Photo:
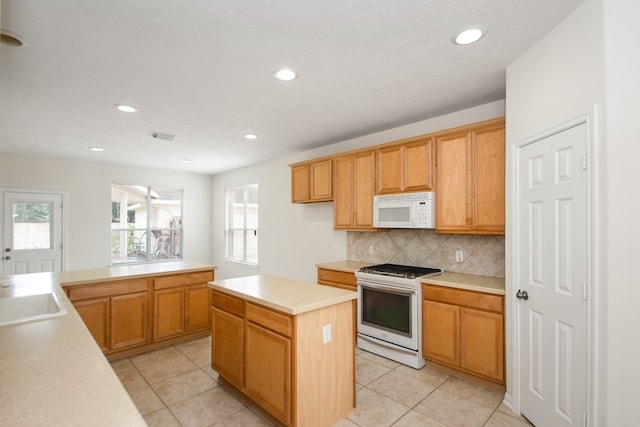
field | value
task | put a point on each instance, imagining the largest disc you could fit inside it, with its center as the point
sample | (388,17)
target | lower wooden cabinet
(268,370)
(116,313)
(181,304)
(464,330)
(338,279)
(256,350)
(131,316)
(227,349)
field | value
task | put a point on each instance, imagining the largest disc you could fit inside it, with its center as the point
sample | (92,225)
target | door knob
(7,257)
(522,295)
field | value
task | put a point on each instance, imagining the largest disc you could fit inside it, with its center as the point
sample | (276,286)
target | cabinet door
(441,332)
(268,370)
(168,312)
(227,346)
(418,166)
(343,192)
(321,181)
(482,343)
(390,169)
(197,307)
(453,194)
(300,184)
(129,314)
(489,181)
(363,190)
(95,315)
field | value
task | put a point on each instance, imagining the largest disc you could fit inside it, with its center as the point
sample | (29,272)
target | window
(146,223)
(241,219)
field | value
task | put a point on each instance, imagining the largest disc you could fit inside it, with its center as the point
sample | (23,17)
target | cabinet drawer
(227,303)
(337,277)
(479,300)
(99,290)
(182,279)
(270,319)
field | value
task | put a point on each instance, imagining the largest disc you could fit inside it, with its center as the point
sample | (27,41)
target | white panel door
(32,233)
(552,268)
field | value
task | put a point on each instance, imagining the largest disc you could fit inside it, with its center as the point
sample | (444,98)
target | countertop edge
(340,296)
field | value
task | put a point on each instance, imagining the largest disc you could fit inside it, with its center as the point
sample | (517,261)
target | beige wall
(88,210)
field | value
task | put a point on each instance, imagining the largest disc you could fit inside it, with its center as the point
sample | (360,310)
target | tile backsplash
(483,255)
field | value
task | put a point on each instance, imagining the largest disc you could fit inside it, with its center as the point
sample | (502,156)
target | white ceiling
(202,70)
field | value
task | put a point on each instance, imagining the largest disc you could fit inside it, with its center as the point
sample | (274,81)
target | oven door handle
(396,289)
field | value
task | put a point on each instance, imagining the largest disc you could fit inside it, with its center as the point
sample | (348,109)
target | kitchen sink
(28,308)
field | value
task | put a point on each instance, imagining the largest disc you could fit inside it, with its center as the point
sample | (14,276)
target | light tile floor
(175,386)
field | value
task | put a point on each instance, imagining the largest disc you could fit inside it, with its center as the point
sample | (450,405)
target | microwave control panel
(424,214)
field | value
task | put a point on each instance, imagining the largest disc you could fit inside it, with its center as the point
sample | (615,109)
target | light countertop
(52,372)
(285,295)
(346,266)
(471,282)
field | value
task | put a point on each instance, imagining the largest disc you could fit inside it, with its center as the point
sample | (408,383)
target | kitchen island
(287,345)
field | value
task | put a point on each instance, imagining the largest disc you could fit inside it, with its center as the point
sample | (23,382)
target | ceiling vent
(165,136)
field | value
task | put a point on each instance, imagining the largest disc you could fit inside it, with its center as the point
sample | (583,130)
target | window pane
(128,245)
(146,223)
(32,226)
(166,244)
(252,246)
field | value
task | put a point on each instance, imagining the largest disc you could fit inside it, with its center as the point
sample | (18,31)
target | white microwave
(408,210)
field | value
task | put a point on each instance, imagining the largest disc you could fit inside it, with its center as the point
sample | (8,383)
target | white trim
(512,397)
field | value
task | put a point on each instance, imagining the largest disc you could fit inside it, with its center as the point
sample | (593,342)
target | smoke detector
(165,136)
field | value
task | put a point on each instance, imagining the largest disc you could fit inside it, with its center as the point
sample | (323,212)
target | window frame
(149,230)
(228,229)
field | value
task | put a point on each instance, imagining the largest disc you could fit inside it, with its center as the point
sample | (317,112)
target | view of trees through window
(146,223)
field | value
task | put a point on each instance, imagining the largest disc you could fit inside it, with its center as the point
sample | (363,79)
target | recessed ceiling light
(469,35)
(126,108)
(251,136)
(96,148)
(186,161)
(286,74)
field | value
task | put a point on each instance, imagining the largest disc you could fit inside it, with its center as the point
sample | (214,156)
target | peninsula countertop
(285,295)
(52,371)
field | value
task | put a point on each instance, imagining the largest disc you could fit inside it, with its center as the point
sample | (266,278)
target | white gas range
(390,311)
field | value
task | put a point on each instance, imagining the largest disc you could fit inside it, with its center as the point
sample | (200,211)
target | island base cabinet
(282,362)
(268,368)
(227,346)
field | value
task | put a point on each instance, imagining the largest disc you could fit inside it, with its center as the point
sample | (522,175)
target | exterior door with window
(32,233)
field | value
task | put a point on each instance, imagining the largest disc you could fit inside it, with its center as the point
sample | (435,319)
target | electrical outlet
(371,250)
(459,256)
(326,334)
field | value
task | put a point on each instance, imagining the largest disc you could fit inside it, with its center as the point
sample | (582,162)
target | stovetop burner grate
(396,270)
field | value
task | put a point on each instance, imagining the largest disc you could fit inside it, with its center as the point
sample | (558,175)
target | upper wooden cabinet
(470,183)
(312,182)
(354,177)
(405,168)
